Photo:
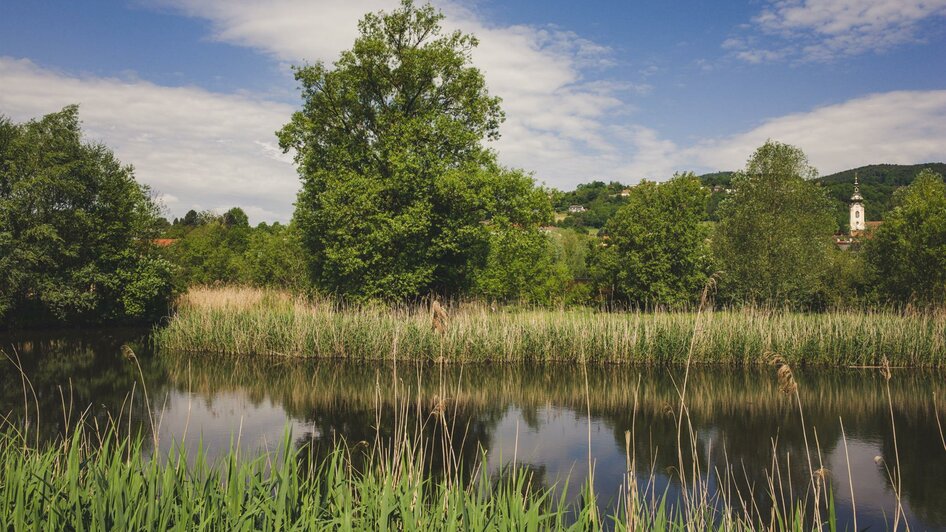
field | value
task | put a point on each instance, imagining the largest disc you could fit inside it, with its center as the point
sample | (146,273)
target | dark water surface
(540,416)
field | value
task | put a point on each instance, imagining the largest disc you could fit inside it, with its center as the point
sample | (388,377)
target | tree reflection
(79,375)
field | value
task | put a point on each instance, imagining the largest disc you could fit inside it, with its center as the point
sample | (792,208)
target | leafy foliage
(522,266)
(846,281)
(397,189)
(224,249)
(75,229)
(774,233)
(573,247)
(210,252)
(274,257)
(908,252)
(719,184)
(656,252)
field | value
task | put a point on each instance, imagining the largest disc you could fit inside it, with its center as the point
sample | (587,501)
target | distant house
(576,208)
(625,193)
(844,242)
(164,242)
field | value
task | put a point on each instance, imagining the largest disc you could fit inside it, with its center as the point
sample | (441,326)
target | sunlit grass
(248,321)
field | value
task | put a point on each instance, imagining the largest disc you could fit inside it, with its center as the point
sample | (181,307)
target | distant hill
(716,179)
(883,174)
(878,183)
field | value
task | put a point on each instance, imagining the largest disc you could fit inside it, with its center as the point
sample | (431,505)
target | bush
(76,230)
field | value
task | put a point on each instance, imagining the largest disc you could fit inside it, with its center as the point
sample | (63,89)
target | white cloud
(757,56)
(823,30)
(903,127)
(556,119)
(195,148)
(290,30)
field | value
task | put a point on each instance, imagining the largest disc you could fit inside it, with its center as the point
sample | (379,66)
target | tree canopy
(774,232)
(76,229)
(908,252)
(398,191)
(655,249)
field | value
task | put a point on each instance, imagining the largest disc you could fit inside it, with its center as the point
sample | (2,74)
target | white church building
(858,226)
(858,222)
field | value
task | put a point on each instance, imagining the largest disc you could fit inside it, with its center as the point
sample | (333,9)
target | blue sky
(191,91)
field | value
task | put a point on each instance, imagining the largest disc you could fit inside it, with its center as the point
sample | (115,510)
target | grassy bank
(248,321)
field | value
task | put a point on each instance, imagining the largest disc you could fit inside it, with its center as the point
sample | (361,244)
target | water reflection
(538,416)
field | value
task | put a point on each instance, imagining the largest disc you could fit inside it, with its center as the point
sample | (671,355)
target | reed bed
(245,321)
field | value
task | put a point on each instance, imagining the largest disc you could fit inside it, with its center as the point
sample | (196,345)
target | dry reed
(248,321)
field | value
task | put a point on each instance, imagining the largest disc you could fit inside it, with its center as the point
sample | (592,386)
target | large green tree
(398,191)
(76,229)
(655,252)
(908,252)
(773,238)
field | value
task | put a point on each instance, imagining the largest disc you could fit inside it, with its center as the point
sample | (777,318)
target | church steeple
(857,222)
(857,190)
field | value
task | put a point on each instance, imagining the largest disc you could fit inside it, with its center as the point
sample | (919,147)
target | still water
(546,418)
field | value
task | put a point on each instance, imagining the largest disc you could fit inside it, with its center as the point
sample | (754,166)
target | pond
(553,419)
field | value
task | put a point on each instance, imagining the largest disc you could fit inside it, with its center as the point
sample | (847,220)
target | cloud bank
(557,119)
(195,148)
(902,127)
(825,30)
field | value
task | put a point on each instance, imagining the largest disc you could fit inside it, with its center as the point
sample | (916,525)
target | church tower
(857,208)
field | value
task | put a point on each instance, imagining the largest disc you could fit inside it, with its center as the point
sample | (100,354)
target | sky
(190,92)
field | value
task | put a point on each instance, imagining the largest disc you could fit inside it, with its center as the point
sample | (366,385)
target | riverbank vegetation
(82,484)
(402,198)
(88,484)
(265,322)
(417,471)
(76,230)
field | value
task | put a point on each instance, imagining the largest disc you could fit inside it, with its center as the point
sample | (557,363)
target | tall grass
(249,321)
(82,484)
